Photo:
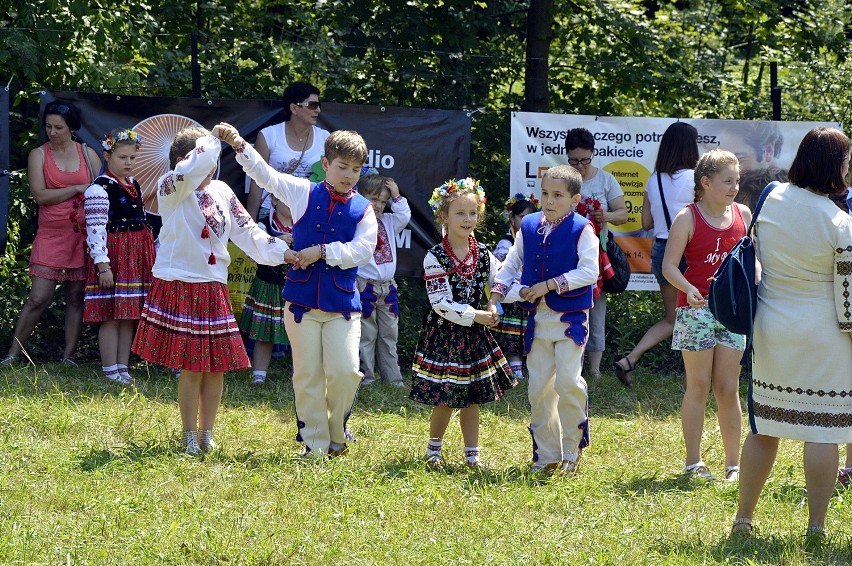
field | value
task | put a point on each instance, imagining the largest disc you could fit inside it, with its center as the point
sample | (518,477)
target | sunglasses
(310,104)
(585,161)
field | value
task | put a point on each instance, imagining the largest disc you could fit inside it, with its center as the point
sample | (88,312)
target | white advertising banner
(627,148)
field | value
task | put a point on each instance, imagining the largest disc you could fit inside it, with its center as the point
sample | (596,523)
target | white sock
(111,372)
(517,368)
(205,440)
(434,447)
(123,370)
(471,454)
(259,373)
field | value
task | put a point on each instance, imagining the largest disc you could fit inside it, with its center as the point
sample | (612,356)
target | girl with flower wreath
(509,332)
(457,362)
(122,248)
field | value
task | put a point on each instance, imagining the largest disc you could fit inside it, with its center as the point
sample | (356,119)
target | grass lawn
(91,473)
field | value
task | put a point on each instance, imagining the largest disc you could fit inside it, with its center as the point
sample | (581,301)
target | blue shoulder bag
(733,290)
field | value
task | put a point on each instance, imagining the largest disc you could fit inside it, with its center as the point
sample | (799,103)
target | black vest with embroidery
(126,212)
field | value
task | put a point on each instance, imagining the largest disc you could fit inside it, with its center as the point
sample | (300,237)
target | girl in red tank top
(703,233)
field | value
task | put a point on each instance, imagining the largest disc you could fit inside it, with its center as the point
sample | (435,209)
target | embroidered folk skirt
(131,257)
(458,366)
(263,313)
(509,333)
(190,326)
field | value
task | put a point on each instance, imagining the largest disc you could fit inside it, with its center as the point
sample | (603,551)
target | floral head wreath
(452,186)
(121,135)
(518,197)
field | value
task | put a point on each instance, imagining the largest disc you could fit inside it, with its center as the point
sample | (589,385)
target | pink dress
(59,249)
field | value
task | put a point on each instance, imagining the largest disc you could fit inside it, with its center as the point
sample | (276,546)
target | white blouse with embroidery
(382,265)
(441,292)
(184,253)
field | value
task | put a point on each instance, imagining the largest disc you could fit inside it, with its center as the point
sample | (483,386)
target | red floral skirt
(190,326)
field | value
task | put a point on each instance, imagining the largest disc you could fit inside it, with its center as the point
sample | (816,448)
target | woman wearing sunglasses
(294,146)
(59,173)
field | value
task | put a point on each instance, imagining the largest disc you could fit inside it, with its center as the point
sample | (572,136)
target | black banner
(419,148)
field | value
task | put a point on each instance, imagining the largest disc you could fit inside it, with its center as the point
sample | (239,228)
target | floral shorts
(696,329)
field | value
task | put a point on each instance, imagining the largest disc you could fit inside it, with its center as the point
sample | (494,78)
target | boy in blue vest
(555,258)
(334,231)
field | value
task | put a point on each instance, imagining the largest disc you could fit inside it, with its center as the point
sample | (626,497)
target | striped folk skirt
(190,326)
(131,257)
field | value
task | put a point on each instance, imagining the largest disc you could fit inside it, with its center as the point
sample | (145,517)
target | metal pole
(775,91)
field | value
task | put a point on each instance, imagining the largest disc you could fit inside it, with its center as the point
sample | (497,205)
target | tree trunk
(539,36)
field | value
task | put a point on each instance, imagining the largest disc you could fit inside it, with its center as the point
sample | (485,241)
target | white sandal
(742,526)
(732,473)
(699,470)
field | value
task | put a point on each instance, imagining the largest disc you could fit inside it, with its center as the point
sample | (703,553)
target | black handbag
(620,265)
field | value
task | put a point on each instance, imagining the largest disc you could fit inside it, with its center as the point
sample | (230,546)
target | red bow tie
(337,197)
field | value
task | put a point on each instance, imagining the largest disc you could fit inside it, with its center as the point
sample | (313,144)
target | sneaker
(70,362)
(367,381)
(399,384)
(844,477)
(9,361)
(698,470)
(258,380)
(435,461)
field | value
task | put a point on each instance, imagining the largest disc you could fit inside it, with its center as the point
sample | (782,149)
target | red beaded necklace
(467,267)
(129,187)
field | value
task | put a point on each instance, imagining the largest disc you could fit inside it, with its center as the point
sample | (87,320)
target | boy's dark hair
(66,110)
(372,185)
(573,179)
(678,148)
(818,161)
(521,206)
(579,138)
(296,92)
(345,144)
(184,143)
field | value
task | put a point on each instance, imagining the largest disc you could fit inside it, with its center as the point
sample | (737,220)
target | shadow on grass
(471,478)
(765,549)
(647,485)
(98,459)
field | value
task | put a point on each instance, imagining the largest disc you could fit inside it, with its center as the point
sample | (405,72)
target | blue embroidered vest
(553,257)
(322,286)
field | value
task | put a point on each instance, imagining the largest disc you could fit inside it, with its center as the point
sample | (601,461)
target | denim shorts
(657,253)
(696,329)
